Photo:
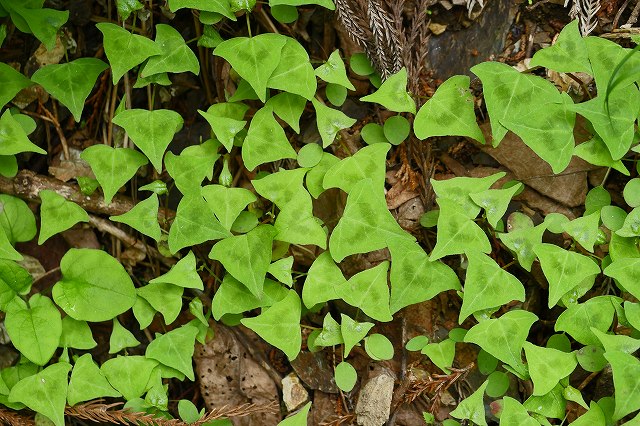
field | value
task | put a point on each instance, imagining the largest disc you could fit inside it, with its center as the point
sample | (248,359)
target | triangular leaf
(12,82)
(176,56)
(121,338)
(472,407)
(352,332)
(514,414)
(593,417)
(368,290)
(597,312)
(192,165)
(459,189)
(253,58)
(366,224)
(87,382)
(45,392)
(182,274)
(265,141)
(13,138)
(331,334)
(457,233)
(143,217)
(585,230)
(393,94)
(522,242)
(14,280)
(224,128)
(334,71)
(414,278)
(564,269)
(368,162)
(164,298)
(280,325)
(330,121)
(547,366)
(596,152)
(247,257)
(294,73)
(281,270)
(221,7)
(227,203)
(503,337)
(450,111)
(76,334)
(233,297)
(495,202)
(627,273)
(70,83)
(441,354)
(567,54)
(487,286)
(626,369)
(281,187)
(323,278)
(194,224)
(175,349)
(289,107)
(151,131)
(57,214)
(113,167)
(299,418)
(125,50)
(129,375)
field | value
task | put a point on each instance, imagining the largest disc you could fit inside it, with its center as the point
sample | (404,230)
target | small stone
(374,402)
(293,393)
(437,29)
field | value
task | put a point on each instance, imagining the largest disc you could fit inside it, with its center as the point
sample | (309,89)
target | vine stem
(248,24)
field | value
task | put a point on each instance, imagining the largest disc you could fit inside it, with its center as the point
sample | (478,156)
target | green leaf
(352,332)
(631,192)
(281,187)
(129,375)
(368,290)
(13,138)
(300,418)
(143,311)
(498,384)
(281,270)
(334,71)
(605,55)
(503,337)
(366,224)
(331,334)
(487,286)
(495,202)
(176,56)
(596,199)
(315,176)
(449,112)
(194,224)
(378,347)
(459,189)
(585,230)
(324,3)
(441,354)
(631,225)
(345,376)
(361,65)
(188,411)
(514,414)
(221,7)
(396,129)
(6,249)
(227,203)
(414,278)
(567,54)
(121,338)
(58,214)
(563,269)
(70,83)
(127,7)
(113,167)
(596,152)
(265,141)
(182,274)
(192,165)
(417,343)
(552,404)
(373,133)
(224,128)
(393,94)
(151,131)
(472,407)
(125,50)
(254,58)
(165,298)
(330,121)
(626,369)
(593,417)
(76,334)
(8,165)
(233,297)
(45,392)
(143,217)
(613,123)
(175,349)
(616,343)
(368,163)
(323,278)
(532,108)
(547,366)
(522,242)
(289,107)
(44,23)
(457,233)
(16,219)
(94,286)
(280,325)
(597,312)
(13,82)
(34,329)
(591,358)
(87,382)
(310,155)
(294,73)
(14,281)
(246,257)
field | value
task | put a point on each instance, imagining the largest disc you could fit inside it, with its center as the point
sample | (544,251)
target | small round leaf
(346,376)
(417,343)
(336,94)
(360,64)
(631,192)
(284,13)
(378,347)
(396,129)
(310,155)
(373,133)
(498,384)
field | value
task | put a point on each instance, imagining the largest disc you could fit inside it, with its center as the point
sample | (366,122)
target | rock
(374,401)
(293,393)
